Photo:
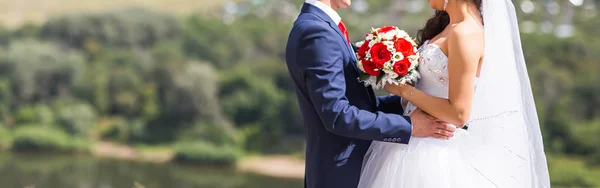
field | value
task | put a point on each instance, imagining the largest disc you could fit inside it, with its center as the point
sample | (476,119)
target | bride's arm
(465,49)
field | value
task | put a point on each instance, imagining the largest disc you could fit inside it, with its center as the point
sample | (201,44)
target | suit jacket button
(393,139)
(385,140)
(399,139)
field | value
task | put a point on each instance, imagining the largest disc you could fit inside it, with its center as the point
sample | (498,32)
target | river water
(60,171)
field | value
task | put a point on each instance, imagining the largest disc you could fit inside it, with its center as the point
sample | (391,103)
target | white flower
(398,57)
(413,58)
(389,35)
(390,46)
(360,43)
(387,65)
(402,34)
(370,37)
(388,43)
(360,66)
(390,74)
(412,77)
(371,43)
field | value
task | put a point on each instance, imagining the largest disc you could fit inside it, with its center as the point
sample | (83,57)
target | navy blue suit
(341,115)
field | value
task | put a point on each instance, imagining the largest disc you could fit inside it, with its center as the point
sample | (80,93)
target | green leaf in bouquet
(379,78)
(363,76)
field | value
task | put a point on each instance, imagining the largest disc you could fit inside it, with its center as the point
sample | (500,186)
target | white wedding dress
(503,144)
(424,162)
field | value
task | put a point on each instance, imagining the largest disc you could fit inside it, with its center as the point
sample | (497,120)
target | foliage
(205,153)
(45,138)
(215,42)
(5,138)
(125,27)
(112,129)
(76,118)
(38,113)
(211,132)
(566,172)
(39,70)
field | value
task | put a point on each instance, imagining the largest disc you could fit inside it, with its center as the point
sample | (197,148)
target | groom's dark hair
(437,23)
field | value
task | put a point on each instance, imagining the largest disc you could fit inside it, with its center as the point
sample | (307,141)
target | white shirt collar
(327,9)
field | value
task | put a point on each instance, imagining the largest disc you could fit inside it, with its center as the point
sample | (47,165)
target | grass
(162,153)
(14,13)
(5,138)
(202,152)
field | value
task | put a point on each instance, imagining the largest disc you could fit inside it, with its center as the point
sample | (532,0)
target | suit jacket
(341,115)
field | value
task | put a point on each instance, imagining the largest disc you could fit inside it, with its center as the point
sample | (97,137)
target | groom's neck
(330,4)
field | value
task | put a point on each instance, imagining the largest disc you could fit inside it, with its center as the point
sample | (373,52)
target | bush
(218,132)
(205,153)
(5,137)
(114,128)
(77,118)
(568,172)
(37,114)
(255,105)
(39,138)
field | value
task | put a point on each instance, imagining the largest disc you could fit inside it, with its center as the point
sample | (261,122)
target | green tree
(121,28)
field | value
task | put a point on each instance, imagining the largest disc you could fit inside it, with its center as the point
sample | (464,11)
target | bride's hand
(401,89)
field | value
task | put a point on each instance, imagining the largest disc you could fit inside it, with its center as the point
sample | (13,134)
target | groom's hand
(425,125)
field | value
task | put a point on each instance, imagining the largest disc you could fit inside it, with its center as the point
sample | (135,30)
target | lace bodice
(434,71)
(433,67)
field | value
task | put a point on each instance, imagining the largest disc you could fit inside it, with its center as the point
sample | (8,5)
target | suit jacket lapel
(348,47)
(321,14)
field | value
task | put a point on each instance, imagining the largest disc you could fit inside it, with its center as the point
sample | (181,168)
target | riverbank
(276,166)
(125,152)
(281,166)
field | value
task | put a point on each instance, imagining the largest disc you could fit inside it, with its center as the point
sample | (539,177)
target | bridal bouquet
(387,56)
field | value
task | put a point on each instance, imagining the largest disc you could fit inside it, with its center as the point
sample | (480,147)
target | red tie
(344,31)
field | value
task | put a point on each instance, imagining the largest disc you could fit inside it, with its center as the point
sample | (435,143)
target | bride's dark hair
(437,23)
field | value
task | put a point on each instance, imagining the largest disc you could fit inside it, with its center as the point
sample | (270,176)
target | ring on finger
(439,131)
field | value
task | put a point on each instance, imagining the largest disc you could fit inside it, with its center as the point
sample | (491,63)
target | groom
(341,115)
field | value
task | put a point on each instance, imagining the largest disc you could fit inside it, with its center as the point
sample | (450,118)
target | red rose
(386,29)
(401,67)
(362,50)
(403,46)
(370,67)
(380,54)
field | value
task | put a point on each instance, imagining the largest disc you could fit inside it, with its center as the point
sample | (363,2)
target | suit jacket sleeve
(390,104)
(320,58)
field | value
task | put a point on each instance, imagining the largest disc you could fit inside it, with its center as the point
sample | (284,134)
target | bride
(473,76)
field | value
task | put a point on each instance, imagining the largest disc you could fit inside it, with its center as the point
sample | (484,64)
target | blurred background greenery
(188,93)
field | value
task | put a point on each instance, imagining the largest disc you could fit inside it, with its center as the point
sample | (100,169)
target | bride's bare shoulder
(468,33)
(468,28)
